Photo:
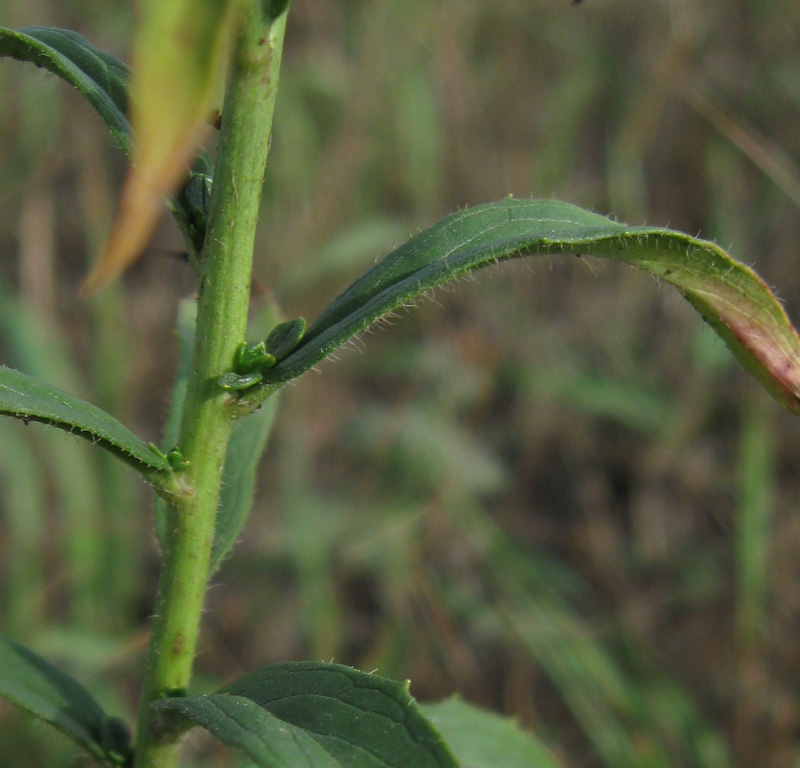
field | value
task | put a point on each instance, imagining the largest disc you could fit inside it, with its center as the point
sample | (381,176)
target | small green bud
(176,460)
(285,337)
(234,382)
(248,359)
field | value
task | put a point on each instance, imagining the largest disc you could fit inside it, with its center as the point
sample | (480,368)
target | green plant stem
(221,324)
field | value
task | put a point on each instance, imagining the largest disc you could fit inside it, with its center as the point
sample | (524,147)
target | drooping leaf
(318,716)
(103,80)
(181,52)
(729,295)
(29,399)
(31,682)
(481,739)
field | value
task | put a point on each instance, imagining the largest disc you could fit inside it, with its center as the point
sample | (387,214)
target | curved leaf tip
(729,295)
(765,343)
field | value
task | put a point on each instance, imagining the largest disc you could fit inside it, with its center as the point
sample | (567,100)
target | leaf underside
(31,682)
(729,295)
(29,399)
(313,715)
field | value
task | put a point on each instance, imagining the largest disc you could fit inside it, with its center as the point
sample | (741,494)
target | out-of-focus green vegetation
(554,492)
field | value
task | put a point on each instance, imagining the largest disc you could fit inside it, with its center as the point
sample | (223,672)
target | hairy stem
(221,325)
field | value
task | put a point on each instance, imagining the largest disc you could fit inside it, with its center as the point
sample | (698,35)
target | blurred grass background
(549,488)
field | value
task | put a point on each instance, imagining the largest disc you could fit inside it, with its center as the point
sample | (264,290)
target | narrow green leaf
(31,682)
(318,716)
(247,444)
(184,330)
(632,404)
(754,525)
(74,483)
(29,399)
(103,80)
(100,77)
(346,253)
(481,739)
(24,516)
(730,296)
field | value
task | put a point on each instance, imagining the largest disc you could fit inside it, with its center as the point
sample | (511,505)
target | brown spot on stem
(179,644)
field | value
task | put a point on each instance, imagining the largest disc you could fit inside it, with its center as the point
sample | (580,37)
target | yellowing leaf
(181,52)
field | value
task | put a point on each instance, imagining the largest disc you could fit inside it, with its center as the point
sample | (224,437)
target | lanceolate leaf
(247,444)
(103,80)
(184,330)
(730,296)
(308,715)
(481,739)
(29,399)
(34,684)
